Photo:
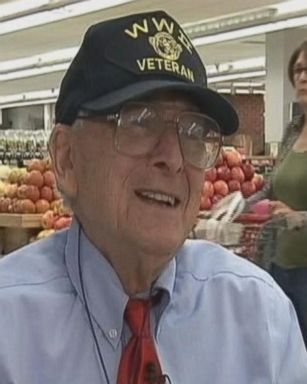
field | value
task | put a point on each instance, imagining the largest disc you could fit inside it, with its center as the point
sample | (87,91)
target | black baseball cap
(133,56)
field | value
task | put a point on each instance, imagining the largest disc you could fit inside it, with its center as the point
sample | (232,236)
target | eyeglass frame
(116,118)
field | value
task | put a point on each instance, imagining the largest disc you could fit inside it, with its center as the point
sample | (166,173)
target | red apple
(205,203)
(234,185)
(210,175)
(48,219)
(248,188)
(221,187)
(26,206)
(62,222)
(28,192)
(22,191)
(49,179)
(46,193)
(248,170)
(233,158)
(37,165)
(208,190)
(34,177)
(42,206)
(258,181)
(33,193)
(237,174)
(5,203)
(223,173)
(11,191)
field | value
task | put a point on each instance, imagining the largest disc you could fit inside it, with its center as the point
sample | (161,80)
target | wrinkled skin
(138,236)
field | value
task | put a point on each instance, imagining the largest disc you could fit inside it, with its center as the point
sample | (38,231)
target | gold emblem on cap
(166,46)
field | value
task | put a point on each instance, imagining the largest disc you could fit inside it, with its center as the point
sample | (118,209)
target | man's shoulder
(205,260)
(36,263)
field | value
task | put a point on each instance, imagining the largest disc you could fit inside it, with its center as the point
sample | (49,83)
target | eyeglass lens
(141,126)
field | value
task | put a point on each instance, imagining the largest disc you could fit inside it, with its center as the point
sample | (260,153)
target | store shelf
(260,158)
(15,220)
(262,164)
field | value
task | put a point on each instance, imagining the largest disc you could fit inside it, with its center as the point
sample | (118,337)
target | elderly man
(122,297)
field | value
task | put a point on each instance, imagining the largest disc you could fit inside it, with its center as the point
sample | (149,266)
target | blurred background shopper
(287,191)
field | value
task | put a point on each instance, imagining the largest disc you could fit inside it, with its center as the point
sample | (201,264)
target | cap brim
(210,102)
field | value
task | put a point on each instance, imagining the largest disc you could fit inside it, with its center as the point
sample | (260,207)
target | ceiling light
(239,65)
(235,76)
(222,24)
(43,59)
(34,72)
(238,91)
(248,84)
(251,31)
(29,96)
(28,103)
(290,6)
(59,61)
(57,14)
(259,92)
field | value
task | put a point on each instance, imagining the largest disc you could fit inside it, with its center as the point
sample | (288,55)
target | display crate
(16,230)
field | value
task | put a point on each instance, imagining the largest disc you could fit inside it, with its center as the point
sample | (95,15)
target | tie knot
(137,316)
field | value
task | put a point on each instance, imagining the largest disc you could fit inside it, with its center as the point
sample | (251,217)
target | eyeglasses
(140,127)
(297,71)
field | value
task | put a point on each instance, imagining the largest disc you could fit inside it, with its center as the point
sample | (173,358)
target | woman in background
(287,191)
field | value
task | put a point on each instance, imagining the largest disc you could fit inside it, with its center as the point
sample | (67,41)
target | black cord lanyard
(164,379)
(102,363)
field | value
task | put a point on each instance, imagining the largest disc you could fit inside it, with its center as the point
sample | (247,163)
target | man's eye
(194,130)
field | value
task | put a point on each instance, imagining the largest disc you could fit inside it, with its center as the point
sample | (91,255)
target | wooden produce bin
(16,230)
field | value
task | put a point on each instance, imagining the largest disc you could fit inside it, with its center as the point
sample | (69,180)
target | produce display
(29,190)
(33,190)
(22,145)
(263,164)
(231,173)
(58,218)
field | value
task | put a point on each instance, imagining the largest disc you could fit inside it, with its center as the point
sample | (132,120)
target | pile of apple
(30,190)
(231,173)
(59,217)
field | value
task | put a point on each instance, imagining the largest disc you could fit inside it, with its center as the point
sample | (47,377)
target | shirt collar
(104,293)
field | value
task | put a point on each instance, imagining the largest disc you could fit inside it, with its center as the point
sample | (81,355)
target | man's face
(127,198)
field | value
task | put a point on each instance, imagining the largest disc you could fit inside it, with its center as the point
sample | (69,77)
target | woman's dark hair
(301,48)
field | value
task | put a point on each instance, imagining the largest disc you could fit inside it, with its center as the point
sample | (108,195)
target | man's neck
(136,267)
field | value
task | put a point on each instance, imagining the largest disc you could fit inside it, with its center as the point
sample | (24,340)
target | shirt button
(113,333)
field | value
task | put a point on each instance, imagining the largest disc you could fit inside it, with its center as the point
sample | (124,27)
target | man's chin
(163,245)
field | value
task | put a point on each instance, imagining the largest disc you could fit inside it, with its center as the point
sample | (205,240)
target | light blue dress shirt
(221,320)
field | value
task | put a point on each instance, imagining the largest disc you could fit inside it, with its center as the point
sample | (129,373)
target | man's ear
(61,149)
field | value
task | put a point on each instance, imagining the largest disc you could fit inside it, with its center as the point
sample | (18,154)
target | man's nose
(167,153)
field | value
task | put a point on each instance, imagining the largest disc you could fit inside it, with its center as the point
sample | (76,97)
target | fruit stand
(16,230)
(30,205)
(232,172)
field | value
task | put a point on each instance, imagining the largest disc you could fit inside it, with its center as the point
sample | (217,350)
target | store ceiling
(68,33)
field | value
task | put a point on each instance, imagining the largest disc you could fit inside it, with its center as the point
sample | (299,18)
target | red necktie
(139,362)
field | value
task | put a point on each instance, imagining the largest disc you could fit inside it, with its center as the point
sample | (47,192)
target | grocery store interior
(244,44)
